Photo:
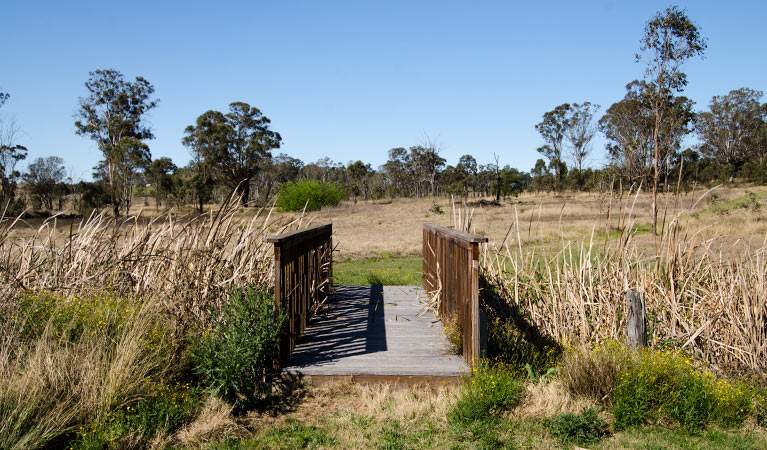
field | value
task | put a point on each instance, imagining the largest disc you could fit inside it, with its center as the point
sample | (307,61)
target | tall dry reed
(708,299)
(188,263)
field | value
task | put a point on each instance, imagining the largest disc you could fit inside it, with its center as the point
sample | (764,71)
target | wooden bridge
(377,333)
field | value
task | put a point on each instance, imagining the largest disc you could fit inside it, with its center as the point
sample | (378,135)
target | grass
(81,364)
(383,270)
(348,416)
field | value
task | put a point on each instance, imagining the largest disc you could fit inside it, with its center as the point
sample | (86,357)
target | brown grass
(51,385)
(188,263)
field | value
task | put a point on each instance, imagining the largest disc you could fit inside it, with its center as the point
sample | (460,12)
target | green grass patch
(616,232)
(384,270)
(748,201)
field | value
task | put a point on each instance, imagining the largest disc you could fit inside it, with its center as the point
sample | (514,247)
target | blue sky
(350,80)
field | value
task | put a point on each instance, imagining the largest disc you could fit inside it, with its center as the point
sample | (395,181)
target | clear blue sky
(350,80)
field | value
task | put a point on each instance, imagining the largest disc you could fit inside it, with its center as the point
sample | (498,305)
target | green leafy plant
(71,317)
(235,360)
(166,410)
(436,209)
(581,429)
(665,385)
(313,195)
(491,390)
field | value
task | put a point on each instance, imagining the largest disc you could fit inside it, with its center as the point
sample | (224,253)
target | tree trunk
(245,191)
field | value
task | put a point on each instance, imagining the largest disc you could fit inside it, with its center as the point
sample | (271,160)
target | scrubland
(104,327)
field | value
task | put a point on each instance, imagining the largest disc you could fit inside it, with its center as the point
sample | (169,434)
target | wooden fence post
(636,323)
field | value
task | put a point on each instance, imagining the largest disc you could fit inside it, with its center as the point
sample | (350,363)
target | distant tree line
(232,151)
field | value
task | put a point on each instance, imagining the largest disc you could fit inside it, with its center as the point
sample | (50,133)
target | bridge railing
(303,270)
(451,270)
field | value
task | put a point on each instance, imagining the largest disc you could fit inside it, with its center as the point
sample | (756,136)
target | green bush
(235,360)
(313,195)
(491,390)
(166,410)
(581,429)
(664,385)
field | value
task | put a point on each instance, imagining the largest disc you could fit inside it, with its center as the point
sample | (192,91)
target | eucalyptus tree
(114,116)
(426,164)
(45,177)
(397,172)
(553,129)
(670,39)
(10,154)
(580,131)
(732,128)
(233,144)
(629,126)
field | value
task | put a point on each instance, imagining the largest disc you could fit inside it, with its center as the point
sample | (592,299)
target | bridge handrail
(451,269)
(303,270)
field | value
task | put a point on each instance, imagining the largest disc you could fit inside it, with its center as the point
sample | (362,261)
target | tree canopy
(233,145)
(114,116)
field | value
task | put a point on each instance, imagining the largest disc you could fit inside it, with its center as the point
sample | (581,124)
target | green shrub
(581,429)
(235,360)
(165,411)
(491,390)
(313,195)
(664,385)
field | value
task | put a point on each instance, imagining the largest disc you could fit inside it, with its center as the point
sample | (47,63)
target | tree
(359,174)
(113,115)
(580,130)
(233,145)
(275,171)
(397,171)
(161,175)
(10,154)
(731,129)
(44,177)
(467,167)
(629,126)
(198,183)
(670,39)
(553,128)
(426,164)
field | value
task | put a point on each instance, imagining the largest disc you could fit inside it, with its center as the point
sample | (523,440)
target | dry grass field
(544,221)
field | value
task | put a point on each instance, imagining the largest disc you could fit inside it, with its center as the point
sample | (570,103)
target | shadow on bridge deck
(376,333)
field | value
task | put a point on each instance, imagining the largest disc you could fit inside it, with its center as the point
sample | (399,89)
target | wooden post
(636,324)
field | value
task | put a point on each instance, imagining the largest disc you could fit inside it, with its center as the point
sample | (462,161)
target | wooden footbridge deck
(376,333)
